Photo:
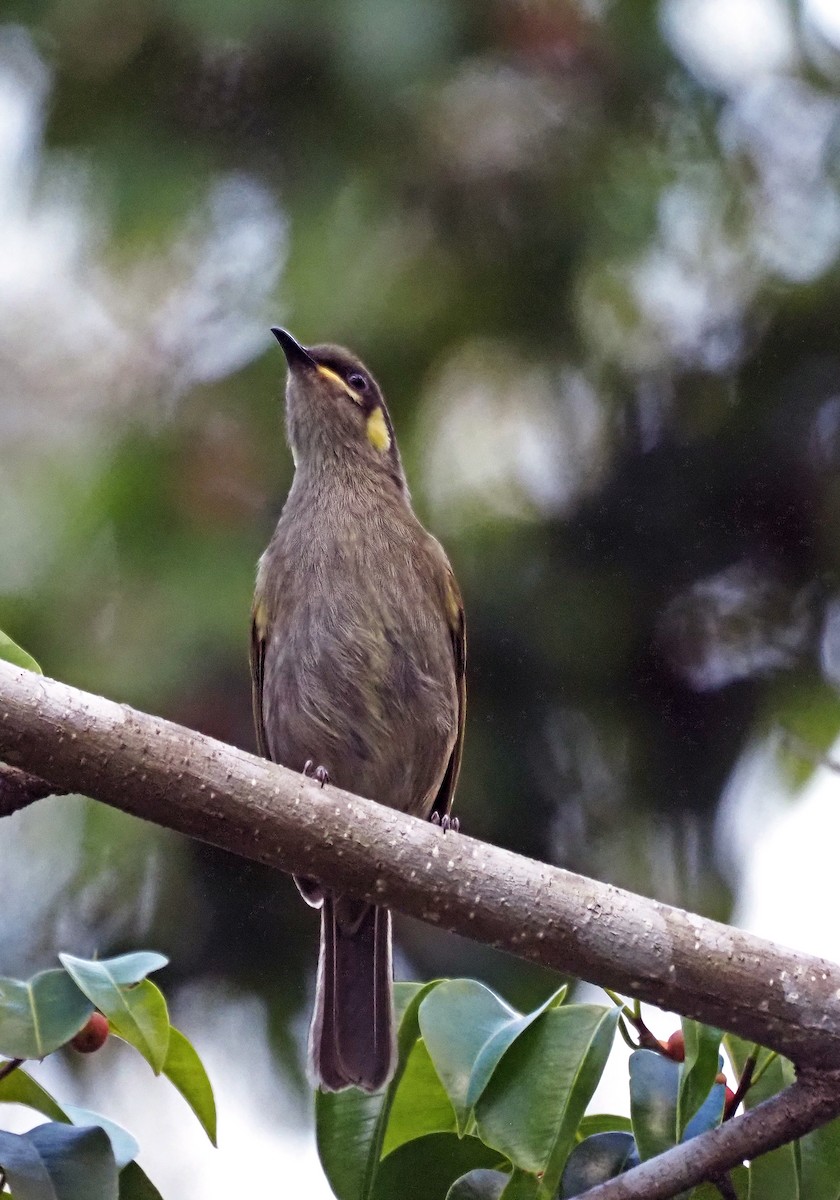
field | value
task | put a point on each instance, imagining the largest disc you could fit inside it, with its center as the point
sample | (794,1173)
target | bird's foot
(319,774)
(446,822)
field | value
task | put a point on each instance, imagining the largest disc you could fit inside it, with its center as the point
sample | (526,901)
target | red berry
(727,1103)
(93,1036)
(675,1046)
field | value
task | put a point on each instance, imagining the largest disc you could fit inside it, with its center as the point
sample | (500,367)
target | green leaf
(521,1186)
(20,1088)
(12,652)
(603,1123)
(136,1185)
(456,1020)
(124,1145)
(698,1072)
(819,1163)
(498,1043)
(597,1159)
(58,1162)
(137,1013)
(538,1093)
(654,1084)
(428,1166)
(775,1175)
(709,1115)
(420,1105)
(350,1126)
(127,969)
(40,1014)
(185,1070)
(480,1184)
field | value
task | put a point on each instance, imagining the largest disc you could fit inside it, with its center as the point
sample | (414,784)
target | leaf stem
(8,1067)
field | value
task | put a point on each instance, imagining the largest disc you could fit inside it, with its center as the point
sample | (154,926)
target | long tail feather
(351,1040)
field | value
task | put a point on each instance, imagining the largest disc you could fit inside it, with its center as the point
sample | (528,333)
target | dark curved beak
(296,356)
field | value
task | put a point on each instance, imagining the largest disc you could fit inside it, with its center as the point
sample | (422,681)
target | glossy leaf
(521,1186)
(13,653)
(126,969)
(654,1084)
(699,1070)
(350,1126)
(597,1159)
(819,1163)
(59,1162)
(536,1097)
(456,1020)
(137,1011)
(124,1145)
(420,1105)
(603,1123)
(739,1178)
(498,1044)
(136,1185)
(40,1014)
(428,1166)
(481,1184)
(775,1175)
(185,1070)
(709,1115)
(772,1176)
(21,1088)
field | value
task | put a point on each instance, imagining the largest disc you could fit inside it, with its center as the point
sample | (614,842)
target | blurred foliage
(591,249)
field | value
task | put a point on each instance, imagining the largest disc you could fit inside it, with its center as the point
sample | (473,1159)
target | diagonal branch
(807,1103)
(203,788)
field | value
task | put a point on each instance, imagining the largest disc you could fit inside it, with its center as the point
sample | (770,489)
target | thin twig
(8,1067)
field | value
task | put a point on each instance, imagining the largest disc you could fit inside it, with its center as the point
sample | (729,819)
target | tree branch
(184,781)
(807,1103)
(18,789)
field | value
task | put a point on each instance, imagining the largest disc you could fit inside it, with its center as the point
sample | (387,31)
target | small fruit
(727,1104)
(93,1036)
(675,1046)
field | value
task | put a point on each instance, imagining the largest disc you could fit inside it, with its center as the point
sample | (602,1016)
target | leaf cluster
(491,1104)
(79,1154)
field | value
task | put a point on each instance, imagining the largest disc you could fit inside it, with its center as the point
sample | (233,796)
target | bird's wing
(257,656)
(454,606)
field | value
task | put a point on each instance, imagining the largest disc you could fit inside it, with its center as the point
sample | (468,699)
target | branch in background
(810,1101)
(18,789)
(200,787)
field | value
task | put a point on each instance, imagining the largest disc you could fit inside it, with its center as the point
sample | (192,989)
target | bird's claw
(446,822)
(319,774)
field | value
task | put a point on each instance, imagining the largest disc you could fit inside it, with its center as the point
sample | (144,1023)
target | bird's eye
(358,382)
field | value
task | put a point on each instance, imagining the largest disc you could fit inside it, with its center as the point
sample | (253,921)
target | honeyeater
(357,661)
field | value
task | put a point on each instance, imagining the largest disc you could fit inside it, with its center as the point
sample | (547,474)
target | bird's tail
(351,1040)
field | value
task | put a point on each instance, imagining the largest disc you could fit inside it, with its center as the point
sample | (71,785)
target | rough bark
(208,790)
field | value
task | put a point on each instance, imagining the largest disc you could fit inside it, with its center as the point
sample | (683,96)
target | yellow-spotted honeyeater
(357,661)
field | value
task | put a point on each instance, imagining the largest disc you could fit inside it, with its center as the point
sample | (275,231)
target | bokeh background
(591,248)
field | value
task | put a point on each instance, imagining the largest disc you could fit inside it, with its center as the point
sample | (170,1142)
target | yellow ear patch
(377,431)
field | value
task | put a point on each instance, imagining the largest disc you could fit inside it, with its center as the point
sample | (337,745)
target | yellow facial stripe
(261,619)
(453,606)
(377,431)
(334,378)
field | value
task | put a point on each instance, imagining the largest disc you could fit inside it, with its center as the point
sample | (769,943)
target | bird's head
(335,412)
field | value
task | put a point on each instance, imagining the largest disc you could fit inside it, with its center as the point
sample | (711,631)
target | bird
(358,657)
